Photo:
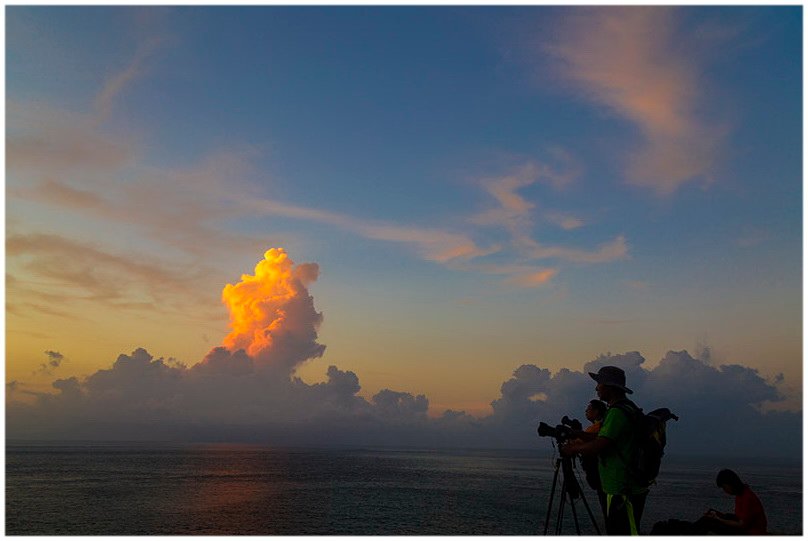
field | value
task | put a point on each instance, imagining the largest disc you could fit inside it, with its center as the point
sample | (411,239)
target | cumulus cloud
(520,394)
(272,315)
(635,61)
(54,361)
(720,408)
(231,396)
(399,405)
(55,357)
(225,389)
(246,390)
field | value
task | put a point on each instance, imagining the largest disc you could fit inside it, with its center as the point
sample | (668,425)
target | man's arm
(583,435)
(587,448)
(727,520)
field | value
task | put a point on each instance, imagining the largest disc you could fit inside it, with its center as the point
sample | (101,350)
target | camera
(561,432)
(574,424)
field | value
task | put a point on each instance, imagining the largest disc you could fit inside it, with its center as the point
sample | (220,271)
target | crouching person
(749,517)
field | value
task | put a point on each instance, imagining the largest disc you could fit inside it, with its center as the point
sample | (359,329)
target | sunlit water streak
(156,489)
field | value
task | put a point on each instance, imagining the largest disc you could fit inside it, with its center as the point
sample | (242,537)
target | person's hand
(711,513)
(568,449)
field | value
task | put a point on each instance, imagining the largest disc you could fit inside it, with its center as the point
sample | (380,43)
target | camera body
(561,432)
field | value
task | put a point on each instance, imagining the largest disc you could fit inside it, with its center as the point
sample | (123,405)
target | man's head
(611,383)
(595,410)
(729,481)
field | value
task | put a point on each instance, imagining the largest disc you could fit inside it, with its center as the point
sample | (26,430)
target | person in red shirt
(749,517)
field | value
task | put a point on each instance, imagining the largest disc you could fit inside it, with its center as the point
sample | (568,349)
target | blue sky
(480,187)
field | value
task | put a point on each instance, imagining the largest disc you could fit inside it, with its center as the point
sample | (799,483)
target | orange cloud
(518,275)
(532,279)
(272,315)
(513,212)
(563,220)
(609,251)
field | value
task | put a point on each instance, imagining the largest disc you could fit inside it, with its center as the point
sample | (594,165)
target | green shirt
(614,462)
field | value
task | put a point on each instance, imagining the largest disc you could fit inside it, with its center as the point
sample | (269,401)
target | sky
(417,202)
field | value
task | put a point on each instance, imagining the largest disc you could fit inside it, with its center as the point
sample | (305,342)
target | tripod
(569,488)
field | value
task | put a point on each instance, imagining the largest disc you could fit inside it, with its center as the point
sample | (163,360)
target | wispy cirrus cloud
(54,272)
(608,251)
(515,274)
(48,140)
(532,279)
(432,243)
(53,139)
(118,81)
(66,160)
(512,210)
(515,213)
(634,61)
(564,220)
(752,237)
(154,202)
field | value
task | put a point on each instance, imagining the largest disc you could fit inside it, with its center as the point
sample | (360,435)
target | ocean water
(195,489)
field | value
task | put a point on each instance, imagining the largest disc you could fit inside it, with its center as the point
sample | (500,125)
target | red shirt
(750,511)
(594,428)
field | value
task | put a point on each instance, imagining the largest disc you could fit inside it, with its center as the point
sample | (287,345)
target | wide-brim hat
(611,376)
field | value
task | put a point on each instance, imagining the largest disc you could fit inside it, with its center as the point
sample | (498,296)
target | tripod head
(560,432)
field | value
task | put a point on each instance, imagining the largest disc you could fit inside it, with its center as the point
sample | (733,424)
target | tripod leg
(552,494)
(588,510)
(562,501)
(575,516)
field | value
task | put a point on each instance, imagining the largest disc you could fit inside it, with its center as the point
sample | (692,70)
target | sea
(222,489)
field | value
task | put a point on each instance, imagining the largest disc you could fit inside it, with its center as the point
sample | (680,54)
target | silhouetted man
(615,445)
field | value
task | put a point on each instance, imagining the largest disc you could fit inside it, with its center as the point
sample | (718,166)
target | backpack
(650,439)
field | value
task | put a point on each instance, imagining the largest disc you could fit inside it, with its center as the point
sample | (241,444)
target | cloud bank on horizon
(246,390)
